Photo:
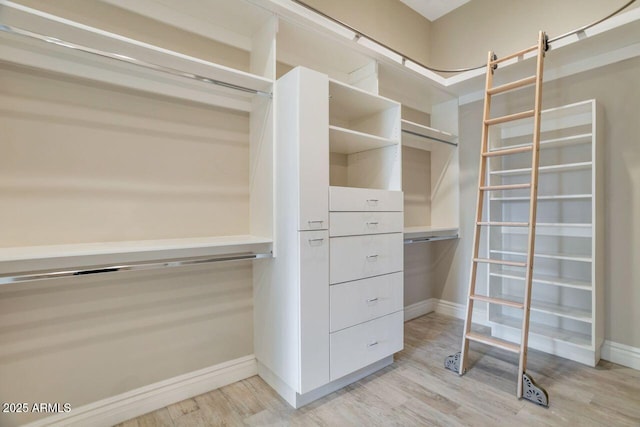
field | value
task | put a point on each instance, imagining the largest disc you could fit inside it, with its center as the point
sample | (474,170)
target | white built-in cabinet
(567,293)
(329,307)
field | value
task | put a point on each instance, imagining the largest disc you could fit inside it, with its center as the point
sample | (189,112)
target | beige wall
(463,37)
(390,21)
(617,88)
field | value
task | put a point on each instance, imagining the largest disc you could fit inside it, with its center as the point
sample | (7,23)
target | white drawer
(364,199)
(361,345)
(358,257)
(355,223)
(363,300)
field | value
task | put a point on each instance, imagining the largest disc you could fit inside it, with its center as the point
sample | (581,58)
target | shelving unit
(339,316)
(364,139)
(566,307)
(138,202)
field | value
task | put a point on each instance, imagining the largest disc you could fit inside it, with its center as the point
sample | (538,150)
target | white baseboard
(621,354)
(116,409)
(420,308)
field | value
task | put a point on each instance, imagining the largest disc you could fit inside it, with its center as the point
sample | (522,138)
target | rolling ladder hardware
(526,388)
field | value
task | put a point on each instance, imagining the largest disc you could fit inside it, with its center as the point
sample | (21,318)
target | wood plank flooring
(417,391)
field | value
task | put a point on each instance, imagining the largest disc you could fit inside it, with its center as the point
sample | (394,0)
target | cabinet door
(314,309)
(313,146)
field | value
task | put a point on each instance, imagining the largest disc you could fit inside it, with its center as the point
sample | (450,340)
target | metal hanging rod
(429,239)
(455,144)
(30,276)
(453,70)
(129,60)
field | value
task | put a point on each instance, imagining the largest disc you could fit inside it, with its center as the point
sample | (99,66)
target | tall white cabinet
(328,308)
(567,294)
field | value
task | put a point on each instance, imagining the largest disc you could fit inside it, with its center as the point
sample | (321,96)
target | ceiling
(434,9)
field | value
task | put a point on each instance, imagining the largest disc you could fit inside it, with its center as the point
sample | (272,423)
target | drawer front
(361,345)
(359,257)
(356,302)
(348,199)
(357,223)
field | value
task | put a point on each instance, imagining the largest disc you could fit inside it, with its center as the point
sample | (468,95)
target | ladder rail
(477,229)
(535,163)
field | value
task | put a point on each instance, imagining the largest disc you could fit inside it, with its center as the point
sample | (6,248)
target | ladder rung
(510,118)
(501,262)
(513,85)
(505,187)
(514,55)
(498,301)
(494,342)
(506,151)
(504,224)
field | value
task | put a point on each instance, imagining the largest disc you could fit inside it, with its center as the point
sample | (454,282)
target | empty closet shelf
(543,279)
(563,311)
(144,67)
(110,255)
(564,335)
(415,130)
(429,233)
(347,141)
(548,255)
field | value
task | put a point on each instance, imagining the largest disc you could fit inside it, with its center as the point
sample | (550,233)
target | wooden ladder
(527,388)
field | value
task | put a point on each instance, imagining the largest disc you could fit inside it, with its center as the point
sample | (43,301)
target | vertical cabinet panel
(314,309)
(313,146)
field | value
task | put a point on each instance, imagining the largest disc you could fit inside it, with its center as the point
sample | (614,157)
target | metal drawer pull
(317,221)
(316,240)
(372,344)
(372,200)
(372,256)
(372,299)
(372,223)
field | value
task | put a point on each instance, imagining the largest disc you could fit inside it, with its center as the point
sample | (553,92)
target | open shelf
(564,141)
(109,58)
(553,229)
(559,334)
(557,256)
(568,167)
(412,129)
(553,309)
(18,259)
(544,279)
(351,103)
(347,141)
(554,197)
(430,232)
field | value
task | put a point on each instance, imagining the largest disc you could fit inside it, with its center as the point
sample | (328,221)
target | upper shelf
(347,141)
(81,51)
(350,103)
(19,259)
(427,233)
(423,137)
(610,41)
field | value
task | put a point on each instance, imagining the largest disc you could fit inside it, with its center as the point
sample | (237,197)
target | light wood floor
(417,391)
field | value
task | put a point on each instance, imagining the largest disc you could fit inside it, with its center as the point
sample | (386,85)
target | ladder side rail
(479,207)
(535,163)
